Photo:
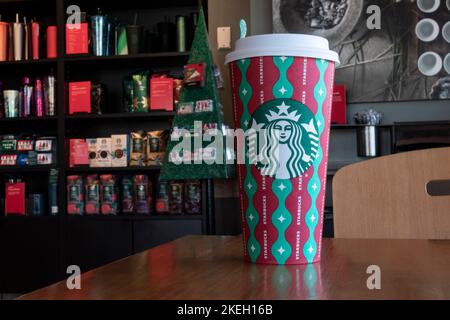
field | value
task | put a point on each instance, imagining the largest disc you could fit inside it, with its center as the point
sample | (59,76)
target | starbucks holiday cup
(283,83)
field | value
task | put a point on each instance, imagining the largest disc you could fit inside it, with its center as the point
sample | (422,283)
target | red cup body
(282,204)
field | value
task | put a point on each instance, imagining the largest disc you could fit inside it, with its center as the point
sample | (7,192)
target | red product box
(15,199)
(79,153)
(80,97)
(194,75)
(339,107)
(8,160)
(77,39)
(161,94)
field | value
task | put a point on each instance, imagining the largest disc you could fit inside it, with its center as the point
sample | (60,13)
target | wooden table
(201,267)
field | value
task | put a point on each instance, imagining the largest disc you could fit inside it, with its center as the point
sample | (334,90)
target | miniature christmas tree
(198,110)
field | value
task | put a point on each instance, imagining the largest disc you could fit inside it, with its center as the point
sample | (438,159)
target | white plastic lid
(282,44)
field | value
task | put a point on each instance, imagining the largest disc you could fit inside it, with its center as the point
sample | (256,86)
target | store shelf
(132,59)
(133,5)
(136,217)
(121,116)
(29,119)
(28,62)
(82,170)
(354,126)
(22,170)
(27,218)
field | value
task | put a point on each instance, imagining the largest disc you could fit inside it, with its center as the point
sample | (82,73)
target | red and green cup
(283,84)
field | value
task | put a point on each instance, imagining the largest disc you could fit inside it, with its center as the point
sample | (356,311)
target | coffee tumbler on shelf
(35,40)
(38,98)
(101,34)
(18,39)
(11,101)
(52,47)
(26,39)
(121,40)
(166,33)
(26,97)
(135,35)
(282,87)
(4,41)
(49,95)
(181,34)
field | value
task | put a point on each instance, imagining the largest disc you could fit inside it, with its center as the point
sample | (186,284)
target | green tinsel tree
(200,53)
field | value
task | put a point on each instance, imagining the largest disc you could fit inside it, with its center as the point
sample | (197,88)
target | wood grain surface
(211,268)
(386,198)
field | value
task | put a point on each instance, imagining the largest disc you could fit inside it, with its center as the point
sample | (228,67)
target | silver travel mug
(100,31)
(11,103)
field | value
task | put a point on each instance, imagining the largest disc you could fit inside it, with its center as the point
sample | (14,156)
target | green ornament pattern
(281,219)
(310,249)
(250,185)
(283,88)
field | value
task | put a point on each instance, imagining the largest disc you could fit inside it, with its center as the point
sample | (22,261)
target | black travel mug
(134,38)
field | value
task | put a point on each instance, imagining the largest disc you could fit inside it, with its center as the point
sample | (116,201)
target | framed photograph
(390,50)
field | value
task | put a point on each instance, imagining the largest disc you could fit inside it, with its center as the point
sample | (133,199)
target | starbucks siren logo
(291,138)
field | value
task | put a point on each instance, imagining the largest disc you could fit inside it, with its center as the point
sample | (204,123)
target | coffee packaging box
(119,146)
(15,199)
(92,151)
(77,38)
(79,97)
(79,154)
(103,155)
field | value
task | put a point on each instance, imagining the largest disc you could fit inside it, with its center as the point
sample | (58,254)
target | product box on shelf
(25,145)
(44,159)
(204,106)
(92,152)
(103,153)
(8,160)
(15,198)
(161,94)
(25,151)
(119,147)
(77,38)
(80,97)
(8,145)
(339,107)
(44,151)
(44,145)
(79,154)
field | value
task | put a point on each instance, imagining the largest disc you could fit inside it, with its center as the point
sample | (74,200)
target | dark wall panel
(93,242)
(148,234)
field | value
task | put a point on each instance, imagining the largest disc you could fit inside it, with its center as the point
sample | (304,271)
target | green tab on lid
(243,27)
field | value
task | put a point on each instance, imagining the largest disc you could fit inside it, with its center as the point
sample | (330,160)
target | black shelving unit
(49,244)
(122,116)
(113,170)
